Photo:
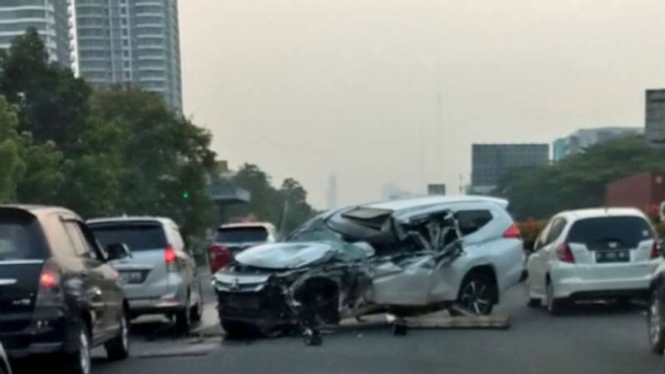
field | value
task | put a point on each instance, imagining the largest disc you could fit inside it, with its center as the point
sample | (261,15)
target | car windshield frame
(251,230)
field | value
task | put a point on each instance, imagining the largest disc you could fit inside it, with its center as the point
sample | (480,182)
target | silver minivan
(160,276)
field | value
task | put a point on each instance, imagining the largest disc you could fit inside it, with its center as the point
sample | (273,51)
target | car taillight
(170,258)
(655,249)
(564,254)
(50,290)
(220,257)
(513,232)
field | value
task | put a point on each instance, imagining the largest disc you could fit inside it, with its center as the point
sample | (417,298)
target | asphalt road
(596,338)
(599,338)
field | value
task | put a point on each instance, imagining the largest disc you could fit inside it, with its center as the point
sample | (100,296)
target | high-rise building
(131,43)
(49,17)
(655,117)
(490,162)
(585,138)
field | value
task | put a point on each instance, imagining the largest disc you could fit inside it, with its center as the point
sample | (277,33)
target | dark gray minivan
(58,295)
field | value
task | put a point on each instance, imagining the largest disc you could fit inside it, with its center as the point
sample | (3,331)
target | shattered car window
(315,230)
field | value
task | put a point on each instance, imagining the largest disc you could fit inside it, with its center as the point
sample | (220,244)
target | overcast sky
(306,88)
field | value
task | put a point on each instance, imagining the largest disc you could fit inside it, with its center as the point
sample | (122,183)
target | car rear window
(138,237)
(241,235)
(596,233)
(20,237)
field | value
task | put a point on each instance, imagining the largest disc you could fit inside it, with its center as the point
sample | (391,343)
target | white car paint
(425,281)
(585,274)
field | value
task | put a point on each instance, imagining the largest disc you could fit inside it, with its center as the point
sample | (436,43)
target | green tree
(51,101)
(160,159)
(29,170)
(296,208)
(286,207)
(578,181)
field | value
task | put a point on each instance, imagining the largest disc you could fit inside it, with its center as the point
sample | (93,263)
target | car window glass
(471,221)
(137,236)
(89,241)
(540,241)
(74,232)
(606,232)
(557,227)
(241,235)
(19,238)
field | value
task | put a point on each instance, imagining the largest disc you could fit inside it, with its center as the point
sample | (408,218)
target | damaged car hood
(285,255)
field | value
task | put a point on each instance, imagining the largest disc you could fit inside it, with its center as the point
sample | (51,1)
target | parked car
(592,254)
(4,362)
(160,277)
(403,256)
(233,238)
(58,294)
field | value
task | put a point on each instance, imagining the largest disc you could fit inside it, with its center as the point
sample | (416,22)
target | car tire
(183,320)
(79,361)
(655,324)
(197,310)
(476,295)
(555,306)
(118,347)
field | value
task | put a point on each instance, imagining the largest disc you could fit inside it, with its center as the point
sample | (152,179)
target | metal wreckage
(349,263)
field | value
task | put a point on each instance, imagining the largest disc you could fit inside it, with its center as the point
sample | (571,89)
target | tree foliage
(104,153)
(111,152)
(577,181)
(286,207)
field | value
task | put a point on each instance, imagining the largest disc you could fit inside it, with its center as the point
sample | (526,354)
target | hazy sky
(312,87)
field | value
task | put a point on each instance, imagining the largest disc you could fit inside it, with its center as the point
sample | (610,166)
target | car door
(95,289)
(546,245)
(536,263)
(113,293)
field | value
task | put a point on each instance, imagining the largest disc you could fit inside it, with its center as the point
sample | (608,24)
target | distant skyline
(307,87)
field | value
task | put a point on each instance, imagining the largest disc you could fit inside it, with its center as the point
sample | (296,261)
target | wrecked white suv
(402,257)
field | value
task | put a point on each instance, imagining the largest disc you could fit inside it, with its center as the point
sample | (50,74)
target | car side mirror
(118,251)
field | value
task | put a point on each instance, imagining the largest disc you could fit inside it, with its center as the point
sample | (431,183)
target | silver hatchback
(160,276)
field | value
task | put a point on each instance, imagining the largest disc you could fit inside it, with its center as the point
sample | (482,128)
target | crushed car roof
(403,204)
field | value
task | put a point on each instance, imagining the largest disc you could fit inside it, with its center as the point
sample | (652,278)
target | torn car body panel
(375,257)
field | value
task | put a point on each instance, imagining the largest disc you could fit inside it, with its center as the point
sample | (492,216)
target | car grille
(269,302)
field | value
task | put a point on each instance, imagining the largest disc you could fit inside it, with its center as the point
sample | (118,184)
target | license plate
(612,256)
(132,277)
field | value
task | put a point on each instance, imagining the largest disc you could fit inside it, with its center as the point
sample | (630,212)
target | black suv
(57,294)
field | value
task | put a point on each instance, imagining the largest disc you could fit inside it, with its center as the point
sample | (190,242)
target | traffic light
(185,195)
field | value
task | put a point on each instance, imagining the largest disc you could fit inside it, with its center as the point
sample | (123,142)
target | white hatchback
(592,254)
